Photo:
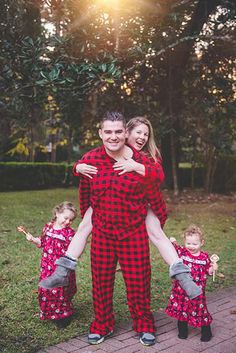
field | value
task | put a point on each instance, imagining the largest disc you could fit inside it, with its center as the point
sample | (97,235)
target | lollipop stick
(214,258)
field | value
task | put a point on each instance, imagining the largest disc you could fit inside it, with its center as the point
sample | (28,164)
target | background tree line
(173,61)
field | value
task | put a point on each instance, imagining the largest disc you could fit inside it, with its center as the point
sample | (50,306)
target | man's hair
(113,116)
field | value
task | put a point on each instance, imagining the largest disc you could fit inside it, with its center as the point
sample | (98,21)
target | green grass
(22,331)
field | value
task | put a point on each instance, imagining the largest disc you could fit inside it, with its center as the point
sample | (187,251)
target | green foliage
(30,176)
(170,61)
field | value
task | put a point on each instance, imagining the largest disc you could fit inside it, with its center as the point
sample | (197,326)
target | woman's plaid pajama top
(120,205)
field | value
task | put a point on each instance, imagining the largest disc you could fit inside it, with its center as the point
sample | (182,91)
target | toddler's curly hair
(193,230)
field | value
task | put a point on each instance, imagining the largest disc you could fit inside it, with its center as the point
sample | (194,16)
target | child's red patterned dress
(194,311)
(55,303)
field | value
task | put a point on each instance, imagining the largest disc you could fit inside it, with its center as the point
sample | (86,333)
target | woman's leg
(159,239)
(80,238)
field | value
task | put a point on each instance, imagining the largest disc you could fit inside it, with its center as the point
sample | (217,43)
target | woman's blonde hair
(193,230)
(150,147)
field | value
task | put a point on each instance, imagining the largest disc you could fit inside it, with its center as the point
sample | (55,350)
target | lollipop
(22,230)
(214,258)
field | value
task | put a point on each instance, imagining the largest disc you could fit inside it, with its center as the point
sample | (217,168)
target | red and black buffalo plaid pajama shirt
(120,205)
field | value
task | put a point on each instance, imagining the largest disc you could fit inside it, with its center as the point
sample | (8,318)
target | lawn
(20,328)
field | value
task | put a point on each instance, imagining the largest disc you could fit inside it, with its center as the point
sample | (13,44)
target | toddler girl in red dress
(192,312)
(55,304)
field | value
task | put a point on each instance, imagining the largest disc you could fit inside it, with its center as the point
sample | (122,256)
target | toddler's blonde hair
(59,209)
(193,230)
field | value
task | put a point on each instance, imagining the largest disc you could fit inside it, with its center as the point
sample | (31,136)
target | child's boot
(59,278)
(206,333)
(63,323)
(183,329)
(181,272)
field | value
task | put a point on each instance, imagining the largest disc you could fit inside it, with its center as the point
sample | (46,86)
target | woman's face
(138,136)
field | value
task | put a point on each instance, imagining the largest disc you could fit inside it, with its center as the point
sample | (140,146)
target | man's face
(113,135)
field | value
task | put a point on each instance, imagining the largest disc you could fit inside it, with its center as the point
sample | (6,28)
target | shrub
(30,176)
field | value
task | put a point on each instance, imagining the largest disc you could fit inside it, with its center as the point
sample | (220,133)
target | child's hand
(21,229)
(172,240)
(214,266)
(28,236)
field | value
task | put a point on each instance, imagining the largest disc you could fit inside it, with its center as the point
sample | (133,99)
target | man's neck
(125,153)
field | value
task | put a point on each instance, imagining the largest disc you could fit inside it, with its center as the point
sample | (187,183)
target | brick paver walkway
(222,306)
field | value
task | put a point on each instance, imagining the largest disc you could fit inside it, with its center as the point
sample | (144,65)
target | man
(119,204)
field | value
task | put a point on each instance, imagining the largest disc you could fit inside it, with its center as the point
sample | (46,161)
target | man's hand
(86,169)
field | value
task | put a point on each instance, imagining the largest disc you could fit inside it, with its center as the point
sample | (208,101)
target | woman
(140,136)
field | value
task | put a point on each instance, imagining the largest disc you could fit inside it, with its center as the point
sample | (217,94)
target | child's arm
(34,240)
(30,237)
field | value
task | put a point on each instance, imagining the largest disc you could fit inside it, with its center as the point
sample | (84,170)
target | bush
(31,176)
(225,175)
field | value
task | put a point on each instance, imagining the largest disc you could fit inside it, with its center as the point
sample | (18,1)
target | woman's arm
(84,169)
(151,170)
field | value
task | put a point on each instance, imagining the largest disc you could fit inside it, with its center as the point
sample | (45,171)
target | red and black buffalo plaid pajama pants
(134,259)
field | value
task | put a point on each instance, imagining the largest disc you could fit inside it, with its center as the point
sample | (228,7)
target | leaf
(44,75)
(104,67)
(111,68)
(109,80)
(220,275)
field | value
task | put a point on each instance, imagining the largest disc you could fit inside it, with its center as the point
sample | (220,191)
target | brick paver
(222,306)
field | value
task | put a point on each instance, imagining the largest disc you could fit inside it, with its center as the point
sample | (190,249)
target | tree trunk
(69,145)
(54,149)
(175,64)
(210,163)
(172,135)
(174,164)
